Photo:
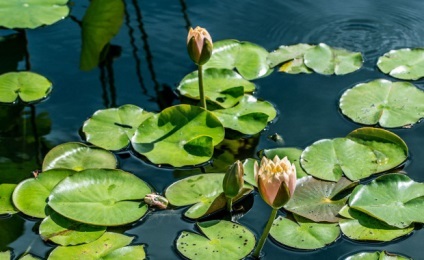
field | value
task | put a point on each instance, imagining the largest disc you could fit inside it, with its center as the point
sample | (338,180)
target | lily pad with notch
(6,204)
(403,63)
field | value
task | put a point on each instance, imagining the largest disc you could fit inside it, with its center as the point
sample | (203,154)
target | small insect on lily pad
(383,255)
(6,204)
(220,240)
(403,63)
(389,104)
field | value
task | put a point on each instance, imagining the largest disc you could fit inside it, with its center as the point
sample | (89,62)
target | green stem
(230,204)
(201,91)
(262,240)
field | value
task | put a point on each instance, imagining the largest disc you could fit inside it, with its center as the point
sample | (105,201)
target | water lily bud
(233,180)
(276,180)
(199,45)
(155,200)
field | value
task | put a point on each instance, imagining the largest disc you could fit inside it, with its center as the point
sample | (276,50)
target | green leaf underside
(221,240)
(390,104)
(293,154)
(376,256)
(303,234)
(113,128)
(388,192)
(27,86)
(403,63)
(103,197)
(6,204)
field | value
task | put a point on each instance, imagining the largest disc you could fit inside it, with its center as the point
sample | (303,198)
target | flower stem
(230,205)
(262,240)
(201,91)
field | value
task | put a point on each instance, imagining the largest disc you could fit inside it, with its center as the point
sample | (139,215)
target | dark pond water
(152,59)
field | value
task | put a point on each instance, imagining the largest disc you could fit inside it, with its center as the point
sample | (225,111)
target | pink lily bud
(233,180)
(199,45)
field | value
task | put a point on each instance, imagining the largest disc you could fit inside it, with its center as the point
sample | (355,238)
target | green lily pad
(98,249)
(7,255)
(248,58)
(250,116)
(383,255)
(287,53)
(63,231)
(222,86)
(179,135)
(389,148)
(220,240)
(249,171)
(127,252)
(360,226)
(403,63)
(293,154)
(32,13)
(30,196)
(330,159)
(113,128)
(78,157)
(388,192)
(390,104)
(319,200)
(103,197)
(295,66)
(304,233)
(101,22)
(27,86)
(29,257)
(6,205)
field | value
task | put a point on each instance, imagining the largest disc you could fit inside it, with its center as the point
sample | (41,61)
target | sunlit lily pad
(247,58)
(376,256)
(30,196)
(32,13)
(326,60)
(388,192)
(360,226)
(219,240)
(390,104)
(103,197)
(127,252)
(29,257)
(319,200)
(113,128)
(293,154)
(6,205)
(330,159)
(287,53)
(222,86)
(78,157)
(27,86)
(250,116)
(7,255)
(304,233)
(403,63)
(249,172)
(179,135)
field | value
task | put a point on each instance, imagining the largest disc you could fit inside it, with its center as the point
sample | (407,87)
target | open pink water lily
(276,180)
(199,45)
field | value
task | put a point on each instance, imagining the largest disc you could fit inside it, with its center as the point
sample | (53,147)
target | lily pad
(29,257)
(319,200)
(32,13)
(360,226)
(179,135)
(220,240)
(388,192)
(403,63)
(326,60)
(304,233)
(7,255)
(249,171)
(383,255)
(390,104)
(250,116)
(287,53)
(6,205)
(127,252)
(63,231)
(330,159)
(27,86)
(295,66)
(222,86)
(293,154)
(113,128)
(30,196)
(248,58)
(78,157)
(103,197)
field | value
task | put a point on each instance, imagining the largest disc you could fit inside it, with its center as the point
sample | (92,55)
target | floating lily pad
(27,86)
(304,233)
(295,66)
(63,231)
(220,240)
(127,252)
(249,172)
(179,135)
(222,86)
(376,256)
(103,197)
(319,200)
(101,22)
(78,157)
(250,116)
(6,205)
(293,154)
(113,128)
(287,53)
(330,159)
(29,257)
(388,192)
(248,58)
(390,104)
(326,60)
(360,226)
(403,63)
(30,196)
(7,255)
(32,14)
